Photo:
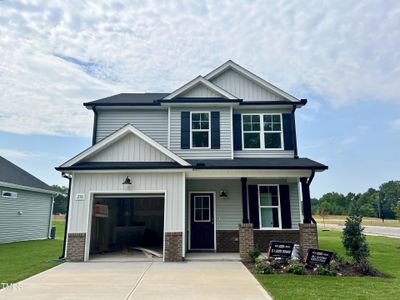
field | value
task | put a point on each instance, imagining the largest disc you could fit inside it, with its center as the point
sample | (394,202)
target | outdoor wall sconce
(223,194)
(127,180)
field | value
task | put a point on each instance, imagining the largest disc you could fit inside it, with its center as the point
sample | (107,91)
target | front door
(202,221)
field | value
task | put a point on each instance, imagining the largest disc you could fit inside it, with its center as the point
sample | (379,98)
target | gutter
(94,135)
(66,215)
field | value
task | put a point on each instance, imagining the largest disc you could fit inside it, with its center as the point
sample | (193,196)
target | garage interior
(131,226)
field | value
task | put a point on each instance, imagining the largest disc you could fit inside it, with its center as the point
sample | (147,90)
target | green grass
(24,259)
(385,255)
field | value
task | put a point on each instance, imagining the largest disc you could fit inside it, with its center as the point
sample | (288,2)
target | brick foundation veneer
(246,240)
(308,237)
(76,246)
(173,246)
(227,240)
(263,237)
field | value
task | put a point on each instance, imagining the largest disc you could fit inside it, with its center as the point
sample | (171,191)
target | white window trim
(269,206)
(261,132)
(200,130)
(209,209)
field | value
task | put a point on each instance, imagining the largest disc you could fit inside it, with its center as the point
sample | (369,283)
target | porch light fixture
(127,180)
(223,194)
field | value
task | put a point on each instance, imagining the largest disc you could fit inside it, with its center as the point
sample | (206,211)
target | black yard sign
(280,249)
(318,257)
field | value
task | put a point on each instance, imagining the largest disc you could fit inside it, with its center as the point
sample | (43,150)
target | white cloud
(396,124)
(344,52)
(12,153)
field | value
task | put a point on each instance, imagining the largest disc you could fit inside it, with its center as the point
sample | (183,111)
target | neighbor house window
(269,209)
(262,131)
(200,129)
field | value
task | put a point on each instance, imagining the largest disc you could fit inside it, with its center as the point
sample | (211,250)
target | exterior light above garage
(127,180)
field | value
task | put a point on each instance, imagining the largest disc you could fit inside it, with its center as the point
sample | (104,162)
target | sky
(343,56)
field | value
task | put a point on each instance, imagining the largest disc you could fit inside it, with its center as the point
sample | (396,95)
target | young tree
(397,210)
(355,243)
(60,200)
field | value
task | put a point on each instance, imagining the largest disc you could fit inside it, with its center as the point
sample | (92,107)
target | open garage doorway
(127,227)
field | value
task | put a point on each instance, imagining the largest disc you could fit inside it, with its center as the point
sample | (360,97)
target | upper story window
(200,129)
(262,131)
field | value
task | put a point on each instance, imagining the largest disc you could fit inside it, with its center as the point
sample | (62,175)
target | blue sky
(342,56)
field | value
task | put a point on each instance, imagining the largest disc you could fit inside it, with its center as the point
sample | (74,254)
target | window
(269,206)
(7,194)
(251,131)
(268,135)
(201,208)
(273,131)
(200,129)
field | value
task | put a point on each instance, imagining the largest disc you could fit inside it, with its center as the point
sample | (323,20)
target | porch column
(244,200)
(305,190)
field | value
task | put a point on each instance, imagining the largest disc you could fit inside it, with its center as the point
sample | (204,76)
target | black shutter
(287,131)
(185,130)
(215,130)
(286,214)
(237,132)
(253,205)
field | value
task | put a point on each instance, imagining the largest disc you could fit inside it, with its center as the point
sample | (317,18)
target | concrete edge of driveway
(258,284)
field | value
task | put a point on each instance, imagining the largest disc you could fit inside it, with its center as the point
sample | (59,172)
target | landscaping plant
(295,267)
(263,267)
(254,254)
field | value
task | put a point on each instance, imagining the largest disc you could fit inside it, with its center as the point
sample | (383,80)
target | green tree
(60,200)
(397,210)
(389,197)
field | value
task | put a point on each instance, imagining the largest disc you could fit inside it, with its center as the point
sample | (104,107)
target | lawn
(385,255)
(24,259)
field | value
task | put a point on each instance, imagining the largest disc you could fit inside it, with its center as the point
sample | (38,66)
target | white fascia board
(115,137)
(200,104)
(26,188)
(196,81)
(251,76)
(224,173)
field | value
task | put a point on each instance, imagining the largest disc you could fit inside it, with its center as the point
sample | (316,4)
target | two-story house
(212,166)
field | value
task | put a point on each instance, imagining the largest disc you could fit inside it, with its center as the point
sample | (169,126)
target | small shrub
(263,267)
(254,254)
(297,268)
(277,264)
(326,271)
(334,265)
(338,258)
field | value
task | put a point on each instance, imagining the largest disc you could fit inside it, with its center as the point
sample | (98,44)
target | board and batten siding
(225,135)
(32,224)
(242,87)
(228,211)
(153,123)
(200,91)
(85,183)
(129,148)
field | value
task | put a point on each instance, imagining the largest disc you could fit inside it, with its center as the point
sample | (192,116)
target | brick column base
(246,240)
(173,246)
(76,246)
(308,237)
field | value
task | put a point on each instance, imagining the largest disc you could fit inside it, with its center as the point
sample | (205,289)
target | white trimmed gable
(129,148)
(145,143)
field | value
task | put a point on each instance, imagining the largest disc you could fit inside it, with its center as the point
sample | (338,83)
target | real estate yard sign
(280,250)
(318,257)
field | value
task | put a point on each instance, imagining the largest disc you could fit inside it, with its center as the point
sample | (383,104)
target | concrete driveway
(140,280)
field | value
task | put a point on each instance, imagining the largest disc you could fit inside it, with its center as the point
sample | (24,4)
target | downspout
(66,214)
(51,217)
(294,135)
(94,135)
(310,179)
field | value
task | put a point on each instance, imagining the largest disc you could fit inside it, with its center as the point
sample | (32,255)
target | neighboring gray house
(26,205)
(212,166)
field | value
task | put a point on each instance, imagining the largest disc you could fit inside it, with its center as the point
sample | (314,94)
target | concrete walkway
(140,280)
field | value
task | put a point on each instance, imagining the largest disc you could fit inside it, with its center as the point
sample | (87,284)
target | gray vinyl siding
(34,221)
(228,210)
(152,122)
(129,148)
(243,88)
(225,134)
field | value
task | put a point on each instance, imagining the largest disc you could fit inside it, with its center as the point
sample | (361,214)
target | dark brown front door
(202,221)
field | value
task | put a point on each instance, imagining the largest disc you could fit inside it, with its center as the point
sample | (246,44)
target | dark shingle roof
(129,99)
(11,173)
(238,163)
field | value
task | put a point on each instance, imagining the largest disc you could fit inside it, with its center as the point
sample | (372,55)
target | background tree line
(381,203)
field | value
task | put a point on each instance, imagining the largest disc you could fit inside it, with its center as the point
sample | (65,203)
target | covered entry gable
(128,144)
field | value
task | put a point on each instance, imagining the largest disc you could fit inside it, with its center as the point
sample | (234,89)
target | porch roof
(237,163)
